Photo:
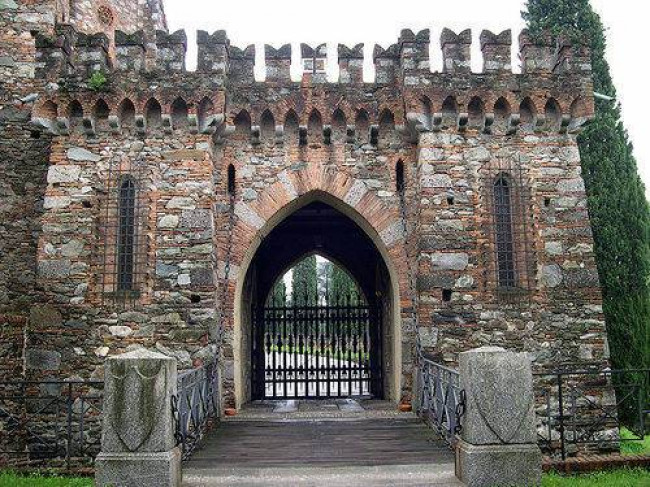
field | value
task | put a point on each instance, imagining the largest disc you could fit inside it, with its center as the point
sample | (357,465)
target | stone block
(80,154)
(8,5)
(435,280)
(73,248)
(576,278)
(137,414)
(56,202)
(181,202)
(168,221)
(138,469)
(498,465)
(52,269)
(450,261)
(44,316)
(68,173)
(42,359)
(202,276)
(551,275)
(500,402)
(196,219)
(166,270)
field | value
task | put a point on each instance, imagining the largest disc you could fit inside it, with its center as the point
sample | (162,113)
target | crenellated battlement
(170,51)
(130,50)
(496,51)
(350,63)
(278,63)
(406,61)
(552,94)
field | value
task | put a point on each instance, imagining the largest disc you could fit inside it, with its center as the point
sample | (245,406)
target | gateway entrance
(317,337)
(329,348)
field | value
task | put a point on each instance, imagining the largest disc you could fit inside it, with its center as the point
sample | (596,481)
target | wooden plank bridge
(325,443)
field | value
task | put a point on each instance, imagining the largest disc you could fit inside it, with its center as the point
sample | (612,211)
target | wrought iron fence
(441,401)
(582,411)
(53,421)
(196,405)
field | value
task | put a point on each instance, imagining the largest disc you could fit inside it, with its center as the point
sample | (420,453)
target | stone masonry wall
(28,30)
(178,133)
(24,152)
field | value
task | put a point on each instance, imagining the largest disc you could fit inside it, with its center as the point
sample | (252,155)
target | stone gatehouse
(147,205)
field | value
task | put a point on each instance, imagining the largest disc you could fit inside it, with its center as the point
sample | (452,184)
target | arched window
(126,235)
(504,234)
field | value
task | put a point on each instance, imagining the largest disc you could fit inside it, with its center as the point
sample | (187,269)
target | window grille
(503,233)
(126,234)
(509,261)
(122,235)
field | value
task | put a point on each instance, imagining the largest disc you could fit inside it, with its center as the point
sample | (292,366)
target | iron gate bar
(581,412)
(51,419)
(315,351)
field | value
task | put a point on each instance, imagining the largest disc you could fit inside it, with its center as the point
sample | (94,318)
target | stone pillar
(137,425)
(498,444)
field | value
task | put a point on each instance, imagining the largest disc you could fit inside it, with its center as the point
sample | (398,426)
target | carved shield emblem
(503,408)
(138,400)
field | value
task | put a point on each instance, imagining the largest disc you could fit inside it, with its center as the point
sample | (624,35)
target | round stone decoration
(105,15)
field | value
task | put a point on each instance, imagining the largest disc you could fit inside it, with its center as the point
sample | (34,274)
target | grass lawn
(634,447)
(11,480)
(615,478)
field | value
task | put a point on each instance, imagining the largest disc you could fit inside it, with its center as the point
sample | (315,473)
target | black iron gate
(317,351)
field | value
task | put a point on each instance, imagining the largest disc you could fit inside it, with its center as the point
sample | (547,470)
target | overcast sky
(353,21)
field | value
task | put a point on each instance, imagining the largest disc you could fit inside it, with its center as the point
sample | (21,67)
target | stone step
(377,476)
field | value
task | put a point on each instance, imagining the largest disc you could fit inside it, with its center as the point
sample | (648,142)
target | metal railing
(51,423)
(196,405)
(441,401)
(583,411)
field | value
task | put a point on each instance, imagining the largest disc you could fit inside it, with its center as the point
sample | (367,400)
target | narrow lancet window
(231,180)
(399,177)
(126,235)
(504,235)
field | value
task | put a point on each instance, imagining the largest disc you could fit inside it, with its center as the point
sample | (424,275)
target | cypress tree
(304,286)
(278,295)
(617,204)
(341,286)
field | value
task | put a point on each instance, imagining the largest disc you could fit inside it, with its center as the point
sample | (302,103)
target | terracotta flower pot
(230,411)
(405,407)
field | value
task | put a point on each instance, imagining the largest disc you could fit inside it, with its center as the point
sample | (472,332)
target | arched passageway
(314,347)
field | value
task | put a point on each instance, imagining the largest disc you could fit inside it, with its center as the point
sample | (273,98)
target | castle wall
(454,132)
(29,29)
(66,153)
(24,152)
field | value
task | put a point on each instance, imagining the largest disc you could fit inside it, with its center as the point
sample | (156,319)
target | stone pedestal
(498,465)
(138,445)
(498,441)
(139,469)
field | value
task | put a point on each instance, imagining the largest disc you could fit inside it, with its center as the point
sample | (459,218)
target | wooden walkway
(322,443)
(343,451)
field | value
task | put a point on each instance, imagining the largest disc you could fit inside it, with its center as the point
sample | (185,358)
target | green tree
(340,286)
(304,285)
(616,196)
(278,295)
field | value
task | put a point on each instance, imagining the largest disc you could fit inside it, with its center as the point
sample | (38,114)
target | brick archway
(292,191)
